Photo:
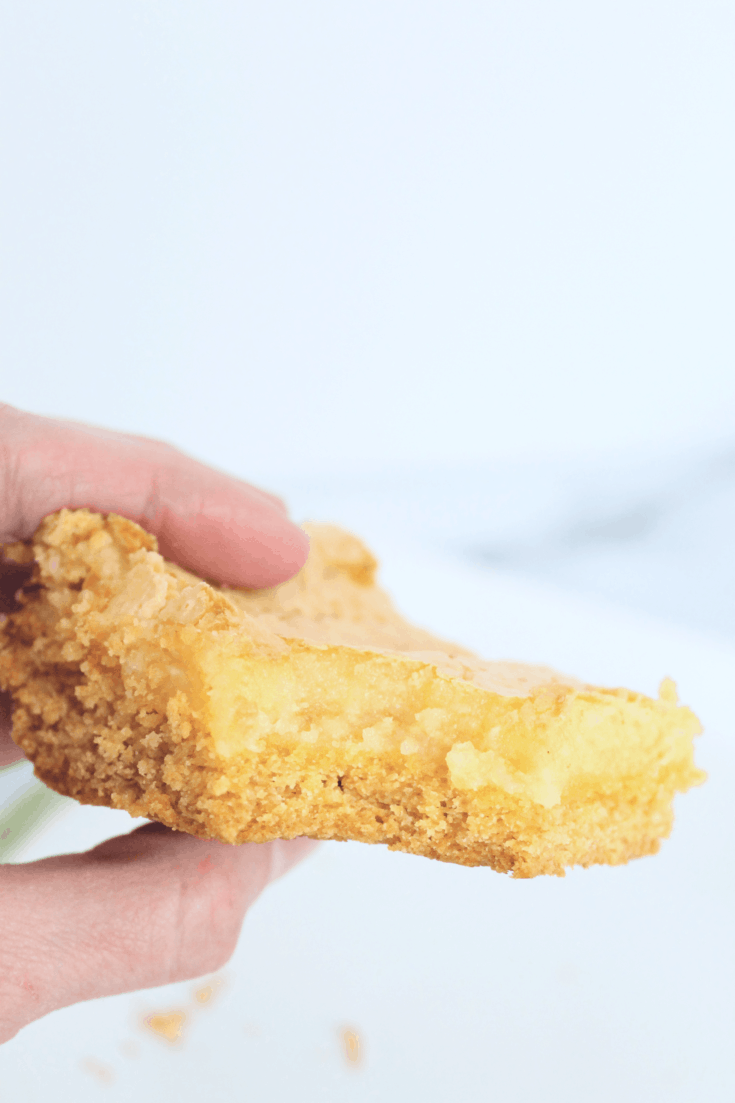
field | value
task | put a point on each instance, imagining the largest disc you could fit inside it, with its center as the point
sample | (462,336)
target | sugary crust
(108,657)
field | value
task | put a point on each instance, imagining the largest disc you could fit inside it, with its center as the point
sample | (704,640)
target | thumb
(143,909)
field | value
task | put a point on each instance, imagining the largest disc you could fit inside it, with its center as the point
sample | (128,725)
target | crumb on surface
(351,1046)
(166,1024)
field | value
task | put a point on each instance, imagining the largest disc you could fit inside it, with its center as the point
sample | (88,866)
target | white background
(355,235)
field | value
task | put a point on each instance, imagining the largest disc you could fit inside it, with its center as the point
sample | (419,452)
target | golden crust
(315,709)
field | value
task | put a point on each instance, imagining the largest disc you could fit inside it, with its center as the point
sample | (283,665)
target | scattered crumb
(352,1046)
(167,1024)
(102,1073)
(204,993)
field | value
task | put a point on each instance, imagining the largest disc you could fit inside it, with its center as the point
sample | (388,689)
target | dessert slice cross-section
(314,709)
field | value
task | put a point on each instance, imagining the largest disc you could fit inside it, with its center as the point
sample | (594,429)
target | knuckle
(209,929)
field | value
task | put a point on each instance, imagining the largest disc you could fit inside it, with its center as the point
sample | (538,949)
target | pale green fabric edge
(26,816)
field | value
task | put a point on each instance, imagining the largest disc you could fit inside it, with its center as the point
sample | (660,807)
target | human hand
(153,906)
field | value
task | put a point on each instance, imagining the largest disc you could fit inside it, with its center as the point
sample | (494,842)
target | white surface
(610,984)
(650,530)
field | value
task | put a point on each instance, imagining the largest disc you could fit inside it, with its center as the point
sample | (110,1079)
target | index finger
(212,523)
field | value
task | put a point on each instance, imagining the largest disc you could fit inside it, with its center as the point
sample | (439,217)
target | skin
(154,906)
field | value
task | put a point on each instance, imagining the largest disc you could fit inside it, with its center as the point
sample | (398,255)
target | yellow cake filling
(376,710)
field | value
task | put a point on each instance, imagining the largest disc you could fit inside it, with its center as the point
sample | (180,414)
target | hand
(154,906)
